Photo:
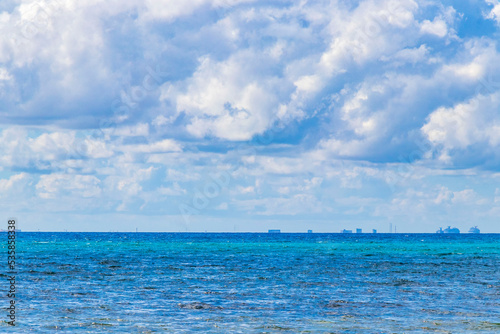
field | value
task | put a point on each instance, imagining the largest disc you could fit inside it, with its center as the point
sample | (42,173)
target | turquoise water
(255,283)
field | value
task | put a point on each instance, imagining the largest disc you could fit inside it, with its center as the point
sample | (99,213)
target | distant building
(358,230)
(309,231)
(274,231)
(346,231)
(374,231)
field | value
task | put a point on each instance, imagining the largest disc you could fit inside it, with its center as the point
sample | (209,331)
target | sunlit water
(255,283)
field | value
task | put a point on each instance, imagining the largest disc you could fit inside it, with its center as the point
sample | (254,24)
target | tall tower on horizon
(390,227)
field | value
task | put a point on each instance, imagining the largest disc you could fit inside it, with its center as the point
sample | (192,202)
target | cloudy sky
(242,115)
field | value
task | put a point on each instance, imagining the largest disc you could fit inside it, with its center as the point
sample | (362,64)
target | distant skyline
(242,115)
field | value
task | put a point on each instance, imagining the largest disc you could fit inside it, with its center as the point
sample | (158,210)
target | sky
(248,115)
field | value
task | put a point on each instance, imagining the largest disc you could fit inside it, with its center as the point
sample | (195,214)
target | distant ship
(449,229)
(474,230)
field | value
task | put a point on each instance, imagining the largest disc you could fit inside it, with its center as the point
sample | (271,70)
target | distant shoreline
(266,233)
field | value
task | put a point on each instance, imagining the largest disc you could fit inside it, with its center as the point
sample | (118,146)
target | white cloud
(167,10)
(175,190)
(444,196)
(97,149)
(466,196)
(371,31)
(495,11)
(382,111)
(126,185)
(296,204)
(163,146)
(425,204)
(354,87)
(15,183)
(141,129)
(162,10)
(49,149)
(69,149)
(245,190)
(179,176)
(222,206)
(442,25)
(461,197)
(229,100)
(409,55)
(4,75)
(437,27)
(280,165)
(481,57)
(61,185)
(466,124)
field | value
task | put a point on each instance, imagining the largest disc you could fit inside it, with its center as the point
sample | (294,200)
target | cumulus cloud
(475,123)
(166,145)
(311,107)
(229,100)
(15,183)
(48,150)
(495,11)
(384,113)
(61,185)
(463,197)
(408,55)
(437,27)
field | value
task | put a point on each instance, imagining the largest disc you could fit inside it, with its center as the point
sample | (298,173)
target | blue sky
(241,115)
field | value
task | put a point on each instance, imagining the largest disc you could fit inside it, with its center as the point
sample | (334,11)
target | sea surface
(254,283)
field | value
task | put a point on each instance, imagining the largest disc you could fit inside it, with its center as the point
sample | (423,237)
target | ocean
(254,283)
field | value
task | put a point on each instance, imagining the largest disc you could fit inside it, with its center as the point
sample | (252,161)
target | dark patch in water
(276,327)
(337,303)
(199,306)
